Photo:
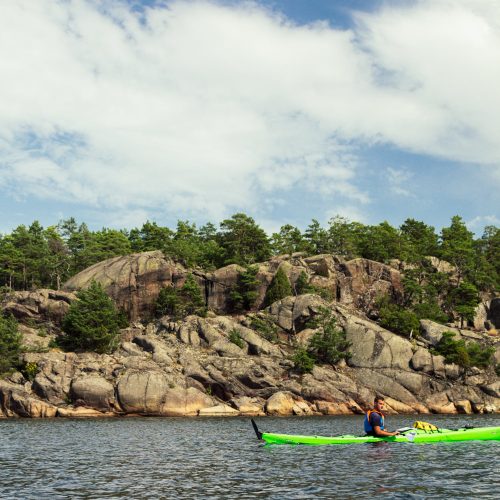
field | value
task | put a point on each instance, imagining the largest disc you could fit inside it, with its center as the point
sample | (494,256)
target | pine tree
(10,343)
(92,323)
(279,288)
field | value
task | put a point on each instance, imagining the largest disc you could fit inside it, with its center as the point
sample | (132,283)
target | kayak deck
(410,436)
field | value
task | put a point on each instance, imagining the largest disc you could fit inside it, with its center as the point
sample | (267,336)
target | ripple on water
(220,458)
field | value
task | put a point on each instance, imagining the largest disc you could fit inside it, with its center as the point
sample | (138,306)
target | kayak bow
(407,436)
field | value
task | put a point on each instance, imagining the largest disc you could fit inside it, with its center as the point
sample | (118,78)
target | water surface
(221,458)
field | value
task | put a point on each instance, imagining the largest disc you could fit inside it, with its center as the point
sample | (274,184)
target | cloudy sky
(116,111)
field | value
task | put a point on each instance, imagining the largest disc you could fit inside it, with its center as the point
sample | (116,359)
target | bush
(430,310)
(10,344)
(329,343)
(235,338)
(92,322)
(181,302)
(399,320)
(265,327)
(460,353)
(30,370)
(279,288)
(303,362)
(303,286)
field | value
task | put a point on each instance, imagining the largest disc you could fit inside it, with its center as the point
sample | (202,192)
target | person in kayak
(374,420)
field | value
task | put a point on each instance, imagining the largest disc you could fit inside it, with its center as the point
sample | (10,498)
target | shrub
(279,288)
(302,284)
(303,362)
(430,310)
(460,353)
(181,302)
(399,320)
(10,343)
(235,338)
(30,370)
(92,322)
(265,327)
(329,343)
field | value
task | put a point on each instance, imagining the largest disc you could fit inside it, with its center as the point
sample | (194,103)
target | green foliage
(181,302)
(329,343)
(288,241)
(243,241)
(430,310)
(243,296)
(10,344)
(302,284)
(463,300)
(465,355)
(303,361)
(30,370)
(235,337)
(279,288)
(398,319)
(92,322)
(265,327)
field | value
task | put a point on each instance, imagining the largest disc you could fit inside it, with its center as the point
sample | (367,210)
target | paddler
(374,420)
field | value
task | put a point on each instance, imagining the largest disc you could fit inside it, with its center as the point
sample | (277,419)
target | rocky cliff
(191,367)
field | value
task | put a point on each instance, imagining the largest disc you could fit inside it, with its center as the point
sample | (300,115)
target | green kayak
(408,435)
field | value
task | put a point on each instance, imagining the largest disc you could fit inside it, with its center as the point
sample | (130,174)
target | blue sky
(116,112)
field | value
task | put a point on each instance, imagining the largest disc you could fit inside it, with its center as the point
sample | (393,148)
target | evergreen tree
(302,284)
(288,241)
(92,322)
(181,302)
(10,343)
(279,288)
(243,241)
(243,296)
(420,240)
(463,300)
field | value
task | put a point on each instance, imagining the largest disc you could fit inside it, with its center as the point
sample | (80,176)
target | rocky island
(228,363)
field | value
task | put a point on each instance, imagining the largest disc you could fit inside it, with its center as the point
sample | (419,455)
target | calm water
(221,458)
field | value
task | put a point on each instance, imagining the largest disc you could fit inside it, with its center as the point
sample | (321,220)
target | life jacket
(368,425)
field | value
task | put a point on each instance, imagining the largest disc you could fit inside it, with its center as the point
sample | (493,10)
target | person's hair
(378,398)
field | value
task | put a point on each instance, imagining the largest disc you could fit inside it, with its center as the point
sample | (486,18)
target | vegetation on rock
(279,288)
(181,302)
(235,337)
(92,323)
(265,327)
(462,353)
(328,345)
(243,296)
(10,344)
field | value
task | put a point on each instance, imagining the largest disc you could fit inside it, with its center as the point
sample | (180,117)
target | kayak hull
(412,436)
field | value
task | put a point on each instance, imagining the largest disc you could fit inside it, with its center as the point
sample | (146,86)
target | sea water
(221,458)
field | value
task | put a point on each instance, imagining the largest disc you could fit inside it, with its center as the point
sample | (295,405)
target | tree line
(33,256)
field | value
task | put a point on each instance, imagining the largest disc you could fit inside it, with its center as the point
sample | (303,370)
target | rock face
(133,281)
(223,365)
(40,306)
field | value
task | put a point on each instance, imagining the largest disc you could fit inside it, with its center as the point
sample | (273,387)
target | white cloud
(481,221)
(204,108)
(399,180)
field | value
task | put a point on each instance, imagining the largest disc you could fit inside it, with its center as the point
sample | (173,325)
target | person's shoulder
(375,417)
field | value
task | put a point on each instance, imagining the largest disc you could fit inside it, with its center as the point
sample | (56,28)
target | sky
(116,112)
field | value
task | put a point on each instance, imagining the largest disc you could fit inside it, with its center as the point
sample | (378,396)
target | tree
(288,241)
(279,288)
(92,322)
(244,294)
(181,302)
(317,238)
(398,319)
(329,343)
(420,240)
(243,241)
(10,343)
(457,246)
(381,243)
(463,300)
(344,236)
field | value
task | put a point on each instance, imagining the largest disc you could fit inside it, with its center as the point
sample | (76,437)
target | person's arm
(379,432)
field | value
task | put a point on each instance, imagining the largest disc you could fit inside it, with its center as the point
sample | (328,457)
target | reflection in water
(220,458)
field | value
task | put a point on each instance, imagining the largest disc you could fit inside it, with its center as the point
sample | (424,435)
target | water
(221,458)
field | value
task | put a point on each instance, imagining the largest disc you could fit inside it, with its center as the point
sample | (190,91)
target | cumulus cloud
(203,107)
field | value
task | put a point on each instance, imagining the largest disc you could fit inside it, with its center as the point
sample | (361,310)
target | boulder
(248,406)
(132,281)
(280,404)
(332,408)
(432,331)
(142,392)
(16,401)
(221,410)
(492,389)
(40,306)
(179,402)
(82,412)
(94,392)
(463,406)
(399,407)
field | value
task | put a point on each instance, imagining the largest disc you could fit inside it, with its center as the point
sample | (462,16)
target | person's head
(379,402)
